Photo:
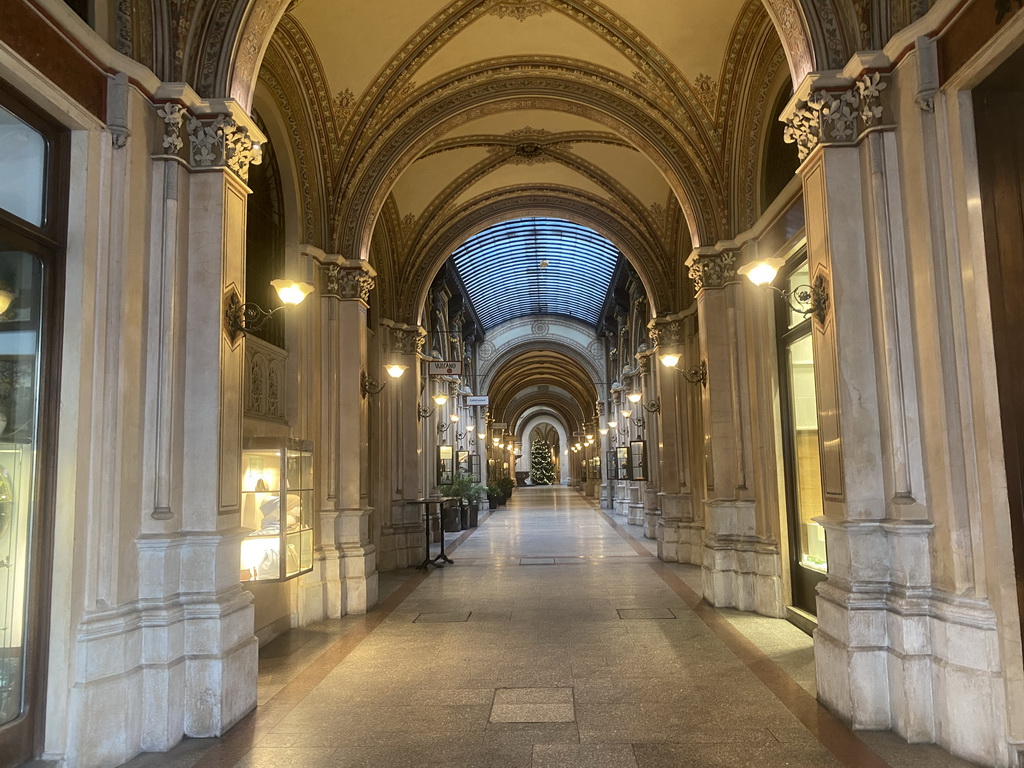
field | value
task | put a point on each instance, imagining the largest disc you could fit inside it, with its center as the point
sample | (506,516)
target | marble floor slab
(555,640)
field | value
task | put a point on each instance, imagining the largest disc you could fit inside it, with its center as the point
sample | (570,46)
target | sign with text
(444,368)
(477,400)
(499,426)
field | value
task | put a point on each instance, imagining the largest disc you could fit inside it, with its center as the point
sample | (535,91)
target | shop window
(809,559)
(31,275)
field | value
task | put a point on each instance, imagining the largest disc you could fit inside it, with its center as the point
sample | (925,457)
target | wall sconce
(424,412)
(243,318)
(371,386)
(697,374)
(803,299)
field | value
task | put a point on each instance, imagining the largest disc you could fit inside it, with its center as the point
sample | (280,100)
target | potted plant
(458,488)
(494,496)
(474,493)
(506,485)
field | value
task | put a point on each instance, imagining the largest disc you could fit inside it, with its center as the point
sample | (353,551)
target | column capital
(672,330)
(839,112)
(346,279)
(712,270)
(207,133)
(406,339)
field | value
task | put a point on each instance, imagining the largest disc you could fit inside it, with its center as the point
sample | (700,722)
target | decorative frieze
(713,271)
(837,117)
(352,279)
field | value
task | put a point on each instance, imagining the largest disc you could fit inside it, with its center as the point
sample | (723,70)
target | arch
(639,248)
(535,419)
(691,168)
(531,343)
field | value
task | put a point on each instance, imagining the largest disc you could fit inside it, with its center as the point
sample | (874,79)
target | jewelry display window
(277,504)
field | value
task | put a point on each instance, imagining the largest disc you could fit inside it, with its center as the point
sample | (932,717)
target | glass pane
(22,168)
(802,276)
(804,407)
(19,400)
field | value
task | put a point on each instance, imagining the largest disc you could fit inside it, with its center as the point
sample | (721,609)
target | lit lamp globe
(440,399)
(613,424)
(634,397)
(626,413)
(454,417)
(395,371)
(6,297)
(471,427)
(669,359)
(603,431)
(291,291)
(762,271)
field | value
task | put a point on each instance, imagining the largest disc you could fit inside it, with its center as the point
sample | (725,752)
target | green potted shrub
(494,496)
(506,485)
(474,493)
(458,488)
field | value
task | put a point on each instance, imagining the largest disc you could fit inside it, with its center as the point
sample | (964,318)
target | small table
(438,501)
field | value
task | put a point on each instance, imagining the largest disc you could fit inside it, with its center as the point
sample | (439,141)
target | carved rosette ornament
(347,280)
(408,340)
(836,117)
(713,271)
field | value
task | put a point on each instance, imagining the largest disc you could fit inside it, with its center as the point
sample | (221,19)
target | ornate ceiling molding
(555,84)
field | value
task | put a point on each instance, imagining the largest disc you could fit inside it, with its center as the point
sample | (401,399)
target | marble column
(345,287)
(674,496)
(405,533)
(741,564)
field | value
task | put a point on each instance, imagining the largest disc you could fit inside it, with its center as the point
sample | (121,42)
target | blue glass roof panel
(536,266)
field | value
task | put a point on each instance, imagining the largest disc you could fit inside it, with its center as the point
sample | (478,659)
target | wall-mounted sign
(477,400)
(499,426)
(444,368)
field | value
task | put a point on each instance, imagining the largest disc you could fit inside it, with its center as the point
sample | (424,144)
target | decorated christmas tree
(542,469)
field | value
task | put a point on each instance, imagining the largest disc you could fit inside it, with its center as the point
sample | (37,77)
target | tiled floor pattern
(555,640)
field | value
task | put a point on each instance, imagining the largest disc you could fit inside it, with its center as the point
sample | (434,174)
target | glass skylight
(536,266)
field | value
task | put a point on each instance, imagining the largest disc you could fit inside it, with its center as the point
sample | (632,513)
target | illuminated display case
(277,503)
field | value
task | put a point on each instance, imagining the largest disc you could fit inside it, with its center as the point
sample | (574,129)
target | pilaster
(345,287)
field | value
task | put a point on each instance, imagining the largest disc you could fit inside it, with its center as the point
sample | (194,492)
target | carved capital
(218,142)
(222,143)
(408,340)
(837,117)
(347,280)
(713,271)
(668,330)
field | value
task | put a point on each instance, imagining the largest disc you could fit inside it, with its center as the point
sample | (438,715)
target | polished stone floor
(555,640)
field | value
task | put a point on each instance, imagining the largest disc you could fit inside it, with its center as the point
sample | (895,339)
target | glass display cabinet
(277,503)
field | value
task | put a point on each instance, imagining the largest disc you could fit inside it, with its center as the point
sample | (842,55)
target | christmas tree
(542,470)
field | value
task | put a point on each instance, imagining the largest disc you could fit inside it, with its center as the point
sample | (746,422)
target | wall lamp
(697,374)
(371,386)
(652,407)
(442,427)
(244,318)
(805,300)
(425,412)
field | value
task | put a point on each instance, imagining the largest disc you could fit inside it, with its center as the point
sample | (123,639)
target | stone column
(741,568)
(675,496)
(405,532)
(345,286)
(647,409)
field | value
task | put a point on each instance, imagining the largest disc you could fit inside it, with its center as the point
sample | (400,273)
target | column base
(893,653)
(674,507)
(740,570)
